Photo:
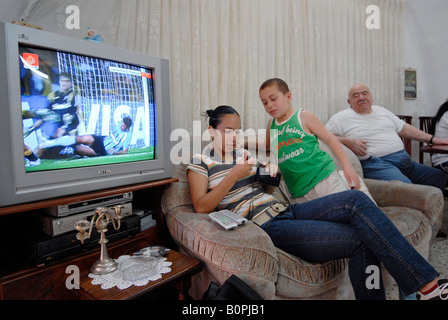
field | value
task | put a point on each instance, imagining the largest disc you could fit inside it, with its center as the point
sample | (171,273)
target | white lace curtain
(220,51)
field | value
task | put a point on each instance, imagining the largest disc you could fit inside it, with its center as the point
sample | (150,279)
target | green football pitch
(76,161)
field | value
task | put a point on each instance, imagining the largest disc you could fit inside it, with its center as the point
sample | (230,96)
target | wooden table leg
(182,288)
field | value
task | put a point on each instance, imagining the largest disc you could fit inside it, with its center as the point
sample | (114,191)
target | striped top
(247,197)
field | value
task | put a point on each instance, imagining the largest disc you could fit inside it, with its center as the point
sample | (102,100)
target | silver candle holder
(102,216)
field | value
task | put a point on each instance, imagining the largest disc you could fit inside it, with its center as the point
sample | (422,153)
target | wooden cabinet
(21,279)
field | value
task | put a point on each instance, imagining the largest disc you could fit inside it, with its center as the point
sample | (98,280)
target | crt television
(78,116)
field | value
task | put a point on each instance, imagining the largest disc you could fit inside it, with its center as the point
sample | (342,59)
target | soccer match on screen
(83,111)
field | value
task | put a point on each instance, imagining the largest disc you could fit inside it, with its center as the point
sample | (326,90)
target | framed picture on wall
(410,84)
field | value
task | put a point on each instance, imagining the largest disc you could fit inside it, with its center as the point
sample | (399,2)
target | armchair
(249,253)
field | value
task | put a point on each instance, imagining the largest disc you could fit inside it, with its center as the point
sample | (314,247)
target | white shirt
(442,132)
(379,128)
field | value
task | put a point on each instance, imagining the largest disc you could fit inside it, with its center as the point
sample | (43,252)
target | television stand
(84,196)
(20,279)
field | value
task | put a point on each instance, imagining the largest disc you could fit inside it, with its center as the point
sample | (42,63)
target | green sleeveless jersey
(302,163)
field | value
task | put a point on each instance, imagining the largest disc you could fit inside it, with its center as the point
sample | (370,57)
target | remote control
(234,216)
(223,221)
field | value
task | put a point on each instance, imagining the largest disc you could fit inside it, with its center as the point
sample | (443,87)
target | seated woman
(342,225)
(439,128)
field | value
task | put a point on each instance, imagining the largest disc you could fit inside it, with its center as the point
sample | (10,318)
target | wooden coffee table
(183,267)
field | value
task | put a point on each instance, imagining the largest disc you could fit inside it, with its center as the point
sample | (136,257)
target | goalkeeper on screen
(63,110)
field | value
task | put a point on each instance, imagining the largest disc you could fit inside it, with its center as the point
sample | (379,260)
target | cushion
(352,158)
(246,251)
(300,279)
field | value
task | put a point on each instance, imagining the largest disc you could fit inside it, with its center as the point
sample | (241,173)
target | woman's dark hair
(215,115)
(442,109)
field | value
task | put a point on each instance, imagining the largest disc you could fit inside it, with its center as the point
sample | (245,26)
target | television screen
(80,111)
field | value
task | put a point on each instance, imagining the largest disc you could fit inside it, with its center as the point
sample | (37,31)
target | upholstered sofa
(249,253)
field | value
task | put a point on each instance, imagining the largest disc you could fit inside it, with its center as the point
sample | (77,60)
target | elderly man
(373,134)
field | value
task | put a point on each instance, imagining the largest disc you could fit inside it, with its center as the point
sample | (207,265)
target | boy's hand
(273,168)
(352,179)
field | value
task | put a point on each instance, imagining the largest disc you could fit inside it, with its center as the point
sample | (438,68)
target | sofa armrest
(427,199)
(247,252)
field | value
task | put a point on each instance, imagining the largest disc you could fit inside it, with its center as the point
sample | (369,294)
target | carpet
(438,255)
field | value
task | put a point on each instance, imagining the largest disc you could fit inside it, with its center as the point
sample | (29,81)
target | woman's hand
(243,166)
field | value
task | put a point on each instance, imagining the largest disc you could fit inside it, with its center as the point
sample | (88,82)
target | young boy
(308,172)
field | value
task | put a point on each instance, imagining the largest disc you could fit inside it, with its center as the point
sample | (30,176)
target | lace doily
(131,271)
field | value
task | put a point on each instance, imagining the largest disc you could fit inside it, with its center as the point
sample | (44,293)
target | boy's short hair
(281,85)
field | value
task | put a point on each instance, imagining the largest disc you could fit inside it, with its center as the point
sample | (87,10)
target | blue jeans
(399,166)
(349,225)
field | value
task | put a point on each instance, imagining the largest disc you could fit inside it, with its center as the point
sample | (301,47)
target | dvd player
(81,206)
(45,248)
(54,226)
